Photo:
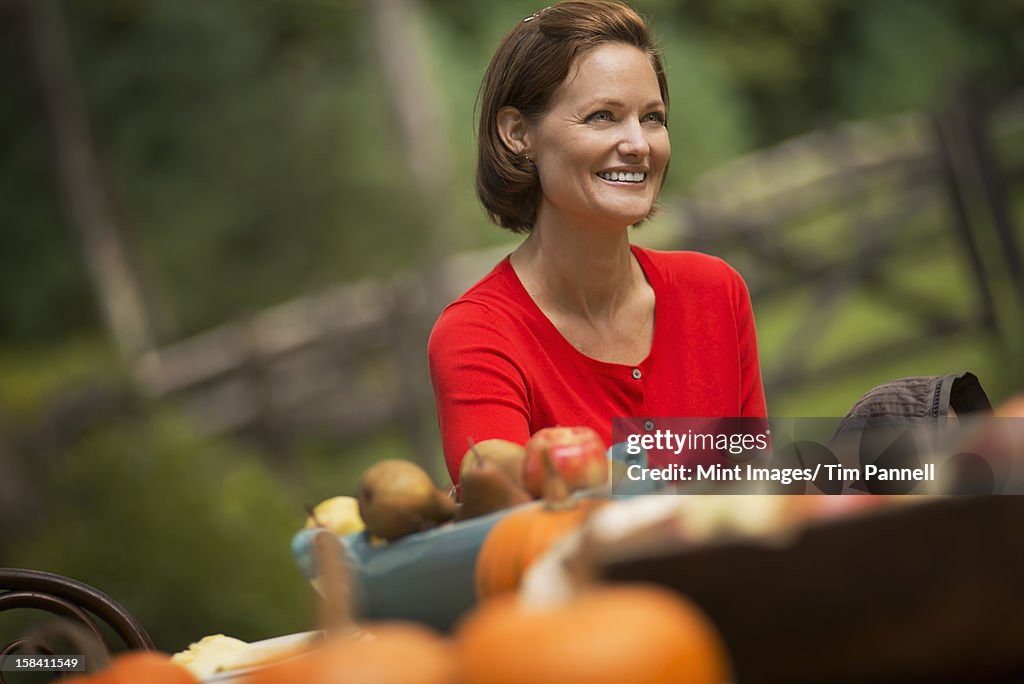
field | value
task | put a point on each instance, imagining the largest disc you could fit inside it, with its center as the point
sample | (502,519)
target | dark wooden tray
(929,592)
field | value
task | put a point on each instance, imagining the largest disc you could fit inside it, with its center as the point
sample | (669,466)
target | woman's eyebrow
(612,102)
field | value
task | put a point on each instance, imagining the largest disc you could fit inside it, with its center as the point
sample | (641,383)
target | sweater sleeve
(479,390)
(752,402)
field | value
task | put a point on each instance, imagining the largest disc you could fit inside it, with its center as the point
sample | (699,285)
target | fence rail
(329,363)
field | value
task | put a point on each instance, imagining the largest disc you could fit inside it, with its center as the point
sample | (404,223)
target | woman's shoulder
(480,306)
(687,267)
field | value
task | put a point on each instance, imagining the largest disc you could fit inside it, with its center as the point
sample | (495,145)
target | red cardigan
(501,369)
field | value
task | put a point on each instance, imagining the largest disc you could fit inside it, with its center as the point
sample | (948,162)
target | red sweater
(501,369)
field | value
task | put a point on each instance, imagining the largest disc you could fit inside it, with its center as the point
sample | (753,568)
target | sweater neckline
(552,332)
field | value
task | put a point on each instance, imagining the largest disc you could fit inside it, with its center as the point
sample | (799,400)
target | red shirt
(501,369)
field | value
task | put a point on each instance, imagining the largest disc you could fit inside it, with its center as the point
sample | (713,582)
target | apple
(578,453)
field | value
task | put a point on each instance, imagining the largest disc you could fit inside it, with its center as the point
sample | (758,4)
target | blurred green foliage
(251,152)
(252,156)
(186,533)
(190,533)
(33,376)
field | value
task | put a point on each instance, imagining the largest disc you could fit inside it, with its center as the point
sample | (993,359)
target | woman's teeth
(623,176)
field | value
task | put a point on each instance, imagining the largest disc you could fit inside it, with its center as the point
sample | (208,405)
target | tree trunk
(412,90)
(86,198)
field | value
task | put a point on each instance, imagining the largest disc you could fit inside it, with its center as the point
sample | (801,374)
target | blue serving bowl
(426,577)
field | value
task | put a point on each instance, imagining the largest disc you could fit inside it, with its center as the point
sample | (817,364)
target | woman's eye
(656,117)
(600,116)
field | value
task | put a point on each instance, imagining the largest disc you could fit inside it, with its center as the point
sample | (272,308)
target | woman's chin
(609,216)
(631,216)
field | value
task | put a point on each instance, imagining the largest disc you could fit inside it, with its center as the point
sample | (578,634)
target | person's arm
(479,389)
(752,403)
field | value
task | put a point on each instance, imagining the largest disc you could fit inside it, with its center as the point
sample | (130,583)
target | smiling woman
(577,326)
(601,149)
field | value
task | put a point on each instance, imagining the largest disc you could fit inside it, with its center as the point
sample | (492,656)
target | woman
(576,326)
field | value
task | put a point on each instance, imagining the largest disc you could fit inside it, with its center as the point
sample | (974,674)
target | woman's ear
(512,127)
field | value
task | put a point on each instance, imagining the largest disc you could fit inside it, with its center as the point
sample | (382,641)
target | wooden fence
(852,209)
(351,360)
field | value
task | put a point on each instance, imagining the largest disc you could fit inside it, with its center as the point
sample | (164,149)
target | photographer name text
(750,473)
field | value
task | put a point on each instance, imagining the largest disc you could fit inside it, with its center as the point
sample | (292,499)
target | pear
(397,497)
(486,487)
(339,514)
(509,456)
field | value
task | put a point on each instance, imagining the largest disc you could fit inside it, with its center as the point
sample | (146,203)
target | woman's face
(601,149)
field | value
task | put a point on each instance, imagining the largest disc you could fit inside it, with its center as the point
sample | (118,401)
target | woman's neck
(585,273)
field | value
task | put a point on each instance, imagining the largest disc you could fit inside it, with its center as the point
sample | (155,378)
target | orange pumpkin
(608,635)
(394,652)
(139,667)
(522,536)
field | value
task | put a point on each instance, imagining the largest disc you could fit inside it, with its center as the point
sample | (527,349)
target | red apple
(578,453)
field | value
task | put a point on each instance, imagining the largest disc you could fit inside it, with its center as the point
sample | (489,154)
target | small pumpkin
(609,634)
(139,667)
(524,535)
(393,652)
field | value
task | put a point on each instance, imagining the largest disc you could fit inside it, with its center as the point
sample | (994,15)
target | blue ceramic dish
(426,577)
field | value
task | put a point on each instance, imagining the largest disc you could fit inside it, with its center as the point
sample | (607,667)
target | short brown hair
(531,62)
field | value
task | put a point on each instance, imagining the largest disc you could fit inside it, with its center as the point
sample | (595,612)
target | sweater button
(637,374)
(648,425)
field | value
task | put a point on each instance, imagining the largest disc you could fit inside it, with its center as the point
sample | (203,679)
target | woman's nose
(634,141)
